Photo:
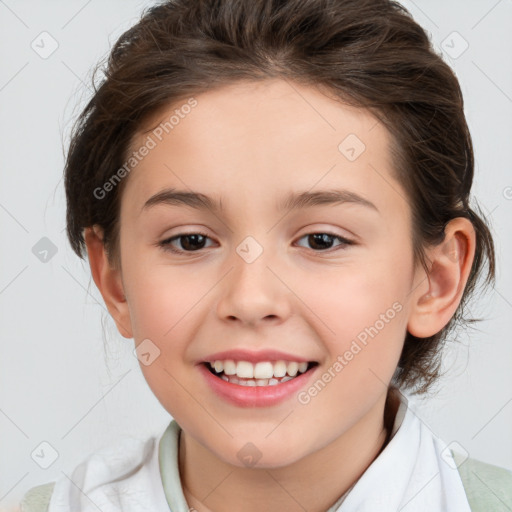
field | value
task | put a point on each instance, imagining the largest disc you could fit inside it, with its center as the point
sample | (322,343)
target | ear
(436,299)
(108,280)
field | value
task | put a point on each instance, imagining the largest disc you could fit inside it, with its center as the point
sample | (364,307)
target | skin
(252,144)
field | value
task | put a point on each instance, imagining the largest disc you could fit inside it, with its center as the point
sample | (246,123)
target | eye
(194,242)
(323,241)
(190,242)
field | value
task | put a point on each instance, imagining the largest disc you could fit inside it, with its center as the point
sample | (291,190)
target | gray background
(66,376)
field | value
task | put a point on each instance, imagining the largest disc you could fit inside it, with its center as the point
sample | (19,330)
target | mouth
(263,373)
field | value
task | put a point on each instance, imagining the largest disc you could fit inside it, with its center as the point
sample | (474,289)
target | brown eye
(324,241)
(189,242)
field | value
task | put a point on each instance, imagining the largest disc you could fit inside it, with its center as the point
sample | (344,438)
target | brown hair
(366,53)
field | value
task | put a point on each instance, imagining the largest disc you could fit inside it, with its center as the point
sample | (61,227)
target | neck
(211,485)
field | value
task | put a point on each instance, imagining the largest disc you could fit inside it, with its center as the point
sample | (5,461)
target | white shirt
(412,474)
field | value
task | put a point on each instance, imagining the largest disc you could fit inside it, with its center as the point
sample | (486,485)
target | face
(250,274)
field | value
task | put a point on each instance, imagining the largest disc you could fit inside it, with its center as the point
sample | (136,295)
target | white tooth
(302,367)
(245,369)
(272,382)
(229,367)
(292,368)
(262,382)
(242,382)
(211,364)
(279,368)
(224,377)
(251,383)
(284,379)
(263,370)
(218,366)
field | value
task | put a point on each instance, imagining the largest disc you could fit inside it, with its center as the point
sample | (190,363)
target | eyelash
(166,244)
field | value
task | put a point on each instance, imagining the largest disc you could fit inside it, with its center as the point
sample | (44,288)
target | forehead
(253,139)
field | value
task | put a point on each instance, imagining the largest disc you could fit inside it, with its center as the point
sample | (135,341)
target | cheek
(161,297)
(361,312)
(163,309)
(349,299)
(364,338)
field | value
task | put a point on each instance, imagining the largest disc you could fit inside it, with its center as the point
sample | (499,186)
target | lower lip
(255,396)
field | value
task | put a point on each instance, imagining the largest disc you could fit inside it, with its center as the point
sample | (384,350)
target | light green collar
(169,468)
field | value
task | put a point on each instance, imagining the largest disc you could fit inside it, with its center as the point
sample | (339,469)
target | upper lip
(254,356)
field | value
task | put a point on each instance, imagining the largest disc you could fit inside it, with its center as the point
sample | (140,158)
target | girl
(274,201)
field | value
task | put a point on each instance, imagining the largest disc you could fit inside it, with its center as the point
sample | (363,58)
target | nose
(254,293)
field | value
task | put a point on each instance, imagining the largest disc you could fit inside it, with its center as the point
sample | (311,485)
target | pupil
(323,239)
(188,246)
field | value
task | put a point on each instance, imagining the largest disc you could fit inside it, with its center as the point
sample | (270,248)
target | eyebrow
(294,201)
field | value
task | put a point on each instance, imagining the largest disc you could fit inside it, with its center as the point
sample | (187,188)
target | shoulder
(488,487)
(104,476)
(37,498)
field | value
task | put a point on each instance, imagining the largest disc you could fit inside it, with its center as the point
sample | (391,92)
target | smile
(259,384)
(263,373)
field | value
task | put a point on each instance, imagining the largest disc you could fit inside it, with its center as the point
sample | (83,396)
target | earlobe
(434,303)
(108,280)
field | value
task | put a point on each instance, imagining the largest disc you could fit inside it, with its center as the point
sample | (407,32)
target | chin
(260,456)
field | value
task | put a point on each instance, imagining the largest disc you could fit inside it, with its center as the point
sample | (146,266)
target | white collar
(411,474)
